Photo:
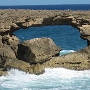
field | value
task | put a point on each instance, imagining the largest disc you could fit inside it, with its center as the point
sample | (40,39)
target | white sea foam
(22,37)
(63,52)
(52,79)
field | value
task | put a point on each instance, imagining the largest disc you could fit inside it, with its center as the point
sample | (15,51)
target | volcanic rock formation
(33,57)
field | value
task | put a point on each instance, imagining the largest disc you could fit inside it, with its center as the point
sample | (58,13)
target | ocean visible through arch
(65,36)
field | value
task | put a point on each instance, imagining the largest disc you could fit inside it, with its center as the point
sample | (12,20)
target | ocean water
(50,7)
(52,79)
(65,36)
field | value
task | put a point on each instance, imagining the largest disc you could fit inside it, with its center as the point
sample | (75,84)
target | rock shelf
(15,19)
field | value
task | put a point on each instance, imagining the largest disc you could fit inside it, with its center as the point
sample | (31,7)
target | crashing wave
(52,79)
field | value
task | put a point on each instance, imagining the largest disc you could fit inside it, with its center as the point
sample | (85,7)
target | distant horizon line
(44,4)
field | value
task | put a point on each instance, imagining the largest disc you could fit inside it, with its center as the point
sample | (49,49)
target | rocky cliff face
(34,55)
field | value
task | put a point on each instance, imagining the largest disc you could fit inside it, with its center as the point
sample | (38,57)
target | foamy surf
(52,79)
(63,52)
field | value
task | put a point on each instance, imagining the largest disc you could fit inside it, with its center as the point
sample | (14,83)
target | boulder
(85,32)
(37,69)
(3,73)
(11,41)
(37,50)
(5,52)
(23,66)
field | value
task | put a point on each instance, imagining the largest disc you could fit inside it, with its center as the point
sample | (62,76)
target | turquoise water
(64,36)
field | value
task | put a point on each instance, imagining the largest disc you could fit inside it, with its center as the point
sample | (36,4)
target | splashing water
(63,52)
(52,79)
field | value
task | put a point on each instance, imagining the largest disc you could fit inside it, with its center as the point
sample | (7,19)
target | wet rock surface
(35,55)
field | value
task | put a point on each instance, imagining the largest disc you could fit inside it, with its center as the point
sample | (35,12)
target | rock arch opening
(65,36)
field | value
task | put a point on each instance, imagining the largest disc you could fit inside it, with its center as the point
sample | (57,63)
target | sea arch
(32,18)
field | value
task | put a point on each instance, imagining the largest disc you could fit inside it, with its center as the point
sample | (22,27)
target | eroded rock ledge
(25,56)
